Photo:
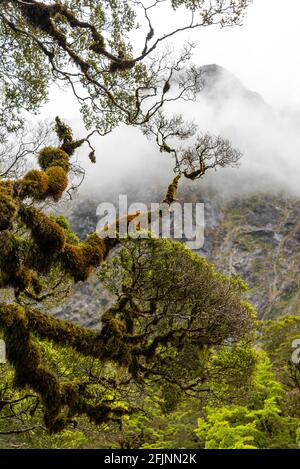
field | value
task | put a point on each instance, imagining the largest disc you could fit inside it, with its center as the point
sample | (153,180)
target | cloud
(269,140)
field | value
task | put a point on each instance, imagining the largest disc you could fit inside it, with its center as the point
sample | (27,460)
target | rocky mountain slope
(251,233)
(257,238)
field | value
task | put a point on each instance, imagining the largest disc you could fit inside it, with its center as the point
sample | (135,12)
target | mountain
(220,85)
(251,229)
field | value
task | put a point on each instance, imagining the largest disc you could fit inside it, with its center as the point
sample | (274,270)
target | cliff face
(257,238)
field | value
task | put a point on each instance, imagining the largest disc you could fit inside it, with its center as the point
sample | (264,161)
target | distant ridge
(221,83)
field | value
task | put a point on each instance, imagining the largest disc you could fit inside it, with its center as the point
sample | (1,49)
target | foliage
(259,424)
(89,45)
(277,339)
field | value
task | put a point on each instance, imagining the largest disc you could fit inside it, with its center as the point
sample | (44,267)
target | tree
(277,338)
(87,46)
(176,306)
(141,333)
(259,424)
(204,153)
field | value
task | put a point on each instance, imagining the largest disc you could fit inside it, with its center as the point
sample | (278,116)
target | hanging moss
(8,206)
(72,238)
(51,156)
(92,156)
(65,134)
(34,184)
(38,15)
(25,261)
(74,262)
(172,190)
(95,249)
(79,260)
(21,279)
(122,65)
(49,236)
(12,250)
(57,182)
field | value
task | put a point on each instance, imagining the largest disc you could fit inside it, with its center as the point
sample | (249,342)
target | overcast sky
(263,53)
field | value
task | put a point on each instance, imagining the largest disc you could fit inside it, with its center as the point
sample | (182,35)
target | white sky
(263,53)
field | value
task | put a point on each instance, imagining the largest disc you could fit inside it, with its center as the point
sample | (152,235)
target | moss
(65,134)
(78,260)
(51,156)
(92,156)
(49,236)
(57,182)
(72,238)
(8,210)
(95,249)
(25,356)
(166,87)
(36,284)
(74,262)
(11,261)
(21,279)
(166,148)
(172,190)
(8,205)
(121,66)
(38,16)
(6,187)
(98,45)
(34,184)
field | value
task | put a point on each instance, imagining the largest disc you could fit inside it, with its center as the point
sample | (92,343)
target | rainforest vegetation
(180,360)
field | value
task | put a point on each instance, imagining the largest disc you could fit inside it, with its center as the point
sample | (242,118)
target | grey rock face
(256,238)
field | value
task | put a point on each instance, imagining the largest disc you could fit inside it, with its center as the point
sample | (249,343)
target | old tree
(176,322)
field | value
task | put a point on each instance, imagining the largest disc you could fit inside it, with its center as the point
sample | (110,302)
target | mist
(268,138)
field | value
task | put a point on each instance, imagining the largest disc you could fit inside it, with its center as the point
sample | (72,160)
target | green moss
(74,262)
(8,205)
(72,238)
(51,156)
(34,184)
(57,182)
(172,190)
(65,134)
(78,260)
(49,236)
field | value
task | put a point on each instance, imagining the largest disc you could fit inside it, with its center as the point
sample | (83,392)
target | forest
(182,357)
